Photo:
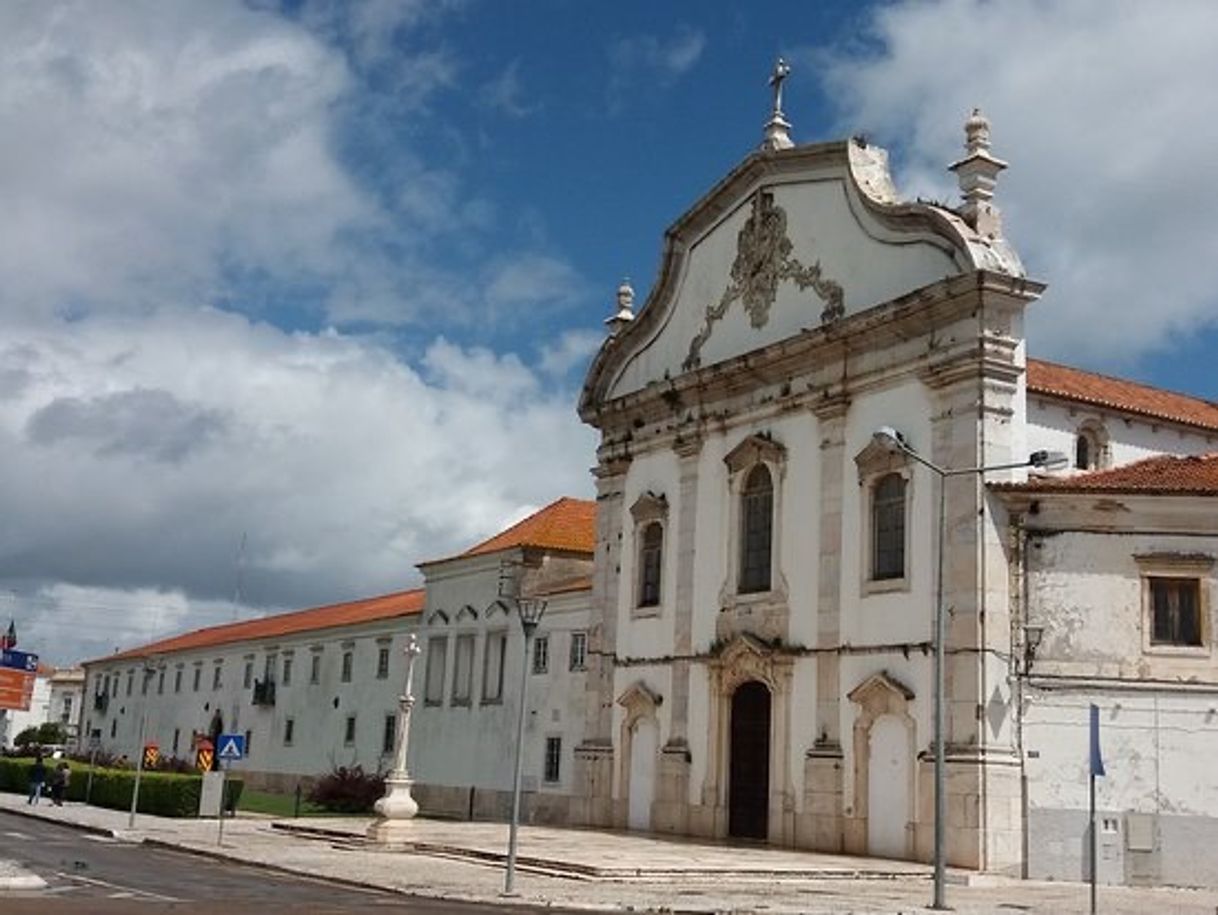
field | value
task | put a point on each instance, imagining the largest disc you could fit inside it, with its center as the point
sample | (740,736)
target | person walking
(38,778)
(59,782)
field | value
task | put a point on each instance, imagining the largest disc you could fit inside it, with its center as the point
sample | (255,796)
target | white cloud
(572,350)
(505,93)
(641,59)
(342,464)
(1106,114)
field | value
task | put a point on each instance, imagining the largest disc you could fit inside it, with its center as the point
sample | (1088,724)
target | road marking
(110,840)
(127,891)
(17,835)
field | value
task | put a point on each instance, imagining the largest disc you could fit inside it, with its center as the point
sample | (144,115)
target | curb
(519,902)
(71,824)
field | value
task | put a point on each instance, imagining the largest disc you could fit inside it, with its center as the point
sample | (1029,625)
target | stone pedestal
(670,810)
(820,825)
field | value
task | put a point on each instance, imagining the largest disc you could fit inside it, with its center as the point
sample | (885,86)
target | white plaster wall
(1159,713)
(319,710)
(1053,425)
(467,746)
(826,225)
(651,633)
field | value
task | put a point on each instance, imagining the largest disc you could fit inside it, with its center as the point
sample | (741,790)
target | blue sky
(325,275)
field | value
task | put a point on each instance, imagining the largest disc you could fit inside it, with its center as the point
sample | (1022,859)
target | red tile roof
(372,609)
(1165,474)
(1104,391)
(565,524)
(570,586)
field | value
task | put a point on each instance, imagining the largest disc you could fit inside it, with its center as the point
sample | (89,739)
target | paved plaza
(598,870)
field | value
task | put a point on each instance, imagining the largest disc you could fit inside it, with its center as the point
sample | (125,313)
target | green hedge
(166,794)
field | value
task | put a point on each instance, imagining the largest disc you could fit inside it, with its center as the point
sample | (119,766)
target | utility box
(212,794)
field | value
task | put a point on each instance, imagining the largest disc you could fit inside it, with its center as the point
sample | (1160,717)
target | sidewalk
(597,870)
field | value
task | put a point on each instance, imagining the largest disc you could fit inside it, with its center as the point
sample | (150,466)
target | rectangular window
(315,668)
(579,650)
(113,728)
(492,666)
(144,684)
(1175,606)
(130,681)
(553,759)
(249,743)
(463,670)
(289,729)
(348,663)
(541,654)
(177,680)
(437,652)
(160,682)
(247,679)
(198,677)
(115,691)
(349,731)
(888,528)
(389,734)
(177,736)
(215,676)
(382,662)
(287,671)
(270,667)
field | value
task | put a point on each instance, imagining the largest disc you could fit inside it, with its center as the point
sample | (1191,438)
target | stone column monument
(396,809)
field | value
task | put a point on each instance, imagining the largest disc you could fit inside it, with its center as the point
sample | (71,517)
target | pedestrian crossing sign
(231,747)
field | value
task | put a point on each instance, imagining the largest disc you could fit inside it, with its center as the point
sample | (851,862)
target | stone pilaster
(594,756)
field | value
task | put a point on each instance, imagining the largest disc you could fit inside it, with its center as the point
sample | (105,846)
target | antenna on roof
(239,575)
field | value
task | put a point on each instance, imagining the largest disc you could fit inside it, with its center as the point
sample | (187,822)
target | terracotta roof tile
(1104,391)
(565,524)
(387,606)
(570,586)
(1165,474)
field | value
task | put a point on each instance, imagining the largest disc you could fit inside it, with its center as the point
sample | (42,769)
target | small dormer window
(1082,452)
(1091,446)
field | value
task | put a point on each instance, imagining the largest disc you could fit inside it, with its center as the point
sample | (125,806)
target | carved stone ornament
(649,507)
(752,450)
(763,260)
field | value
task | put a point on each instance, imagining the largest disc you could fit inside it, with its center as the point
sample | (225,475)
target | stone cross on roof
(777,134)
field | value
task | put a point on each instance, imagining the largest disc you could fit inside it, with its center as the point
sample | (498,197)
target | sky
(297,293)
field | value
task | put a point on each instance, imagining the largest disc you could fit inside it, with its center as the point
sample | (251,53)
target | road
(96,874)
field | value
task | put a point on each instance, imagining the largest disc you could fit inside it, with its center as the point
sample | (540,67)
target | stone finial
(625,309)
(977,173)
(777,133)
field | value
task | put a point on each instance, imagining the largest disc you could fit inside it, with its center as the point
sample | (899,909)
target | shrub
(348,790)
(167,794)
(46,734)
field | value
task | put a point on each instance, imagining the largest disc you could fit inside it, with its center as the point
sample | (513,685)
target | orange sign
(151,755)
(204,754)
(16,688)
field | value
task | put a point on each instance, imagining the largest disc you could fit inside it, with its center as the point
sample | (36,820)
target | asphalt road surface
(96,874)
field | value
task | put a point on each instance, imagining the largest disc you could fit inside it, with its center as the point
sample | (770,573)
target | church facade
(766,567)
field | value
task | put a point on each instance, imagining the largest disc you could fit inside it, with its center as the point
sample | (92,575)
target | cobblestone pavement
(609,871)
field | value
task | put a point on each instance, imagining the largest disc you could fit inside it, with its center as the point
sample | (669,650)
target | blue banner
(1097,761)
(19,660)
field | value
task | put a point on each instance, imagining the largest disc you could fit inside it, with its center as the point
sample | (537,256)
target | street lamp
(891,440)
(149,670)
(530,610)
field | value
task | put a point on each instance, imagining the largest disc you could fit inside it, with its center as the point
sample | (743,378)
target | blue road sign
(19,660)
(231,747)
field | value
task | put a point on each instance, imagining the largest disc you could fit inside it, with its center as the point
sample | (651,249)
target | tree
(49,732)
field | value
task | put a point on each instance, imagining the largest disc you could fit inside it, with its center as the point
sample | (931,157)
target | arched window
(756,530)
(888,528)
(651,556)
(1082,452)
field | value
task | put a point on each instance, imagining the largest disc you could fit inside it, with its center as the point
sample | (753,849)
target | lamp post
(530,610)
(149,670)
(892,440)
(398,806)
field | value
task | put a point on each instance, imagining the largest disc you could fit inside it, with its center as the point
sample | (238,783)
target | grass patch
(279,805)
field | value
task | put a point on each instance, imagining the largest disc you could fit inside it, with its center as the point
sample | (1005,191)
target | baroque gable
(792,241)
